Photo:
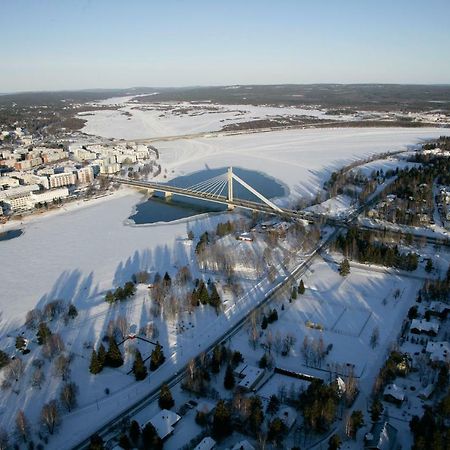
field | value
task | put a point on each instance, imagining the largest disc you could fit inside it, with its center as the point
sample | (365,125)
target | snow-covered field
(142,121)
(348,309)
(77,255)
(301,159)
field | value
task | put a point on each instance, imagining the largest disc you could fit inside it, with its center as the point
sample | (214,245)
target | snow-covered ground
(141,121)
(59,247)
(79,254)
(301,159)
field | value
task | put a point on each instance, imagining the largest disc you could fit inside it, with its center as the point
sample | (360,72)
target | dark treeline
(437,289)
(360,246)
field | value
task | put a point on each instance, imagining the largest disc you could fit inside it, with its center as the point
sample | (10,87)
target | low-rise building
(164,423)
(249,376)
(49,196)
(243,445)
(382,436)
(393,394)
(439,352)
(420,326)
(207,443)
(288,416)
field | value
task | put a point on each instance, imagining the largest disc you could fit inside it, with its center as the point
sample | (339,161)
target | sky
(84,44)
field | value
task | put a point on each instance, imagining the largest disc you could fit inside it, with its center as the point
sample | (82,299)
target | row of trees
(200,295)
(361,247)
(113,358)
(121,293)
(51,311)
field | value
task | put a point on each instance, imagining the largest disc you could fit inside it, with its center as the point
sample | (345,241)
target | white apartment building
(85,175)
(49,196)
(62,179)
(18,198)
(8,182)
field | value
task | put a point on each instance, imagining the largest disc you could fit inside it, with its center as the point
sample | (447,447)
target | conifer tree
(229,381)
(139,369)
(264,322)
(95,366)
(202,292)
(274,405)
(344,267)
(150,438)
(376,410)
(221,420)
(294,293)
(113,356)
(165,400)
(214,299)
(157,357)
(110,297)
(301,288)
(101,355)
(134,432)
(72,311)
(167,281)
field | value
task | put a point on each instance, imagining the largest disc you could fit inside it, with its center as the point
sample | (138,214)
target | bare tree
(53,345)
(33,318)
(277,343)
(50,415)
(14,370)
(68,396)
(183,275)
(61,367)
(53,309)
(122,325)
(37,378)
(22,426)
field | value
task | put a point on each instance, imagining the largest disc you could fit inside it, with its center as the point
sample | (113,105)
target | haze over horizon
(110,44)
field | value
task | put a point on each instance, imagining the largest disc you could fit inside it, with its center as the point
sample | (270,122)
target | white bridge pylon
(215,186)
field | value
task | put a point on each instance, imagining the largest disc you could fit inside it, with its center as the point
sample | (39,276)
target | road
(110,429)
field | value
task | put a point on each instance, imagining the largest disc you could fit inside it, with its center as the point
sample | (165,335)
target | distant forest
(348,97)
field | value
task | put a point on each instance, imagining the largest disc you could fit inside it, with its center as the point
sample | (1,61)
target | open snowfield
(301,159)
(348,309)
(142,121)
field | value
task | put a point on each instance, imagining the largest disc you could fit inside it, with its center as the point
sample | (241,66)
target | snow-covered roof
(439,351)
(423,325)
(394,391)
(426,392)
(288,416)
(205,407)
(206,443)
(382,436)
(250,376)
(243,445)
(164,422)
(438,307)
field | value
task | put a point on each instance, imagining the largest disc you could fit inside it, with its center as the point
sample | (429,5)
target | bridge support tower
(230,188)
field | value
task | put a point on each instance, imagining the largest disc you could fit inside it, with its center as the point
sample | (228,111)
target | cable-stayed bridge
(220,189)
